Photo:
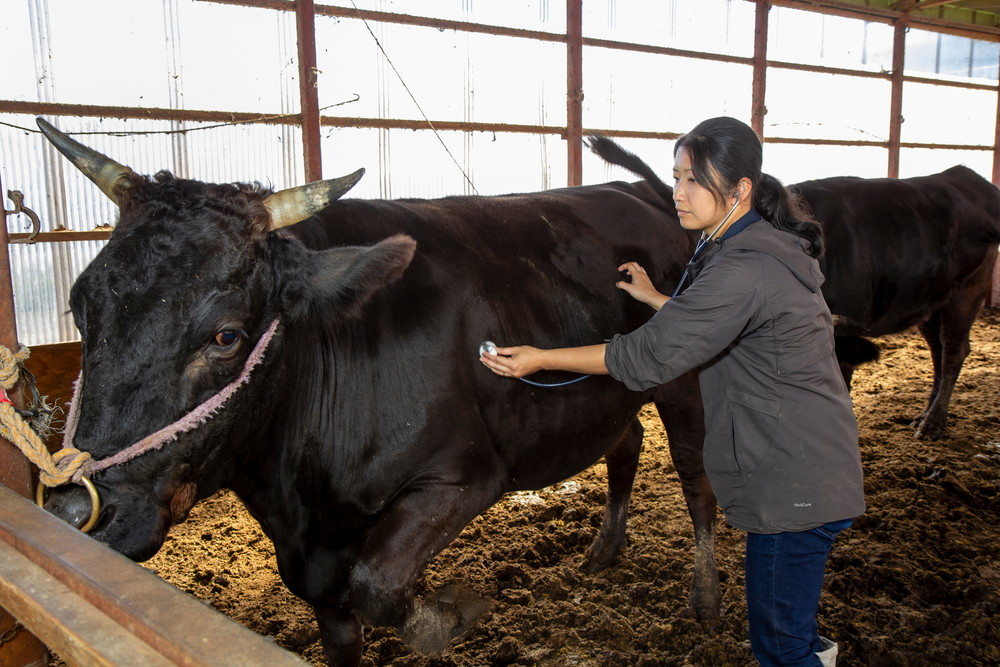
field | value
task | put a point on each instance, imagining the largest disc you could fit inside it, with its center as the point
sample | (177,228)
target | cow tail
(612,153)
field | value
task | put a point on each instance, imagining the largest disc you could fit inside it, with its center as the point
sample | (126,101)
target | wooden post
(574,91)
(305,28)
(758,109)
(896,99)
(18,648)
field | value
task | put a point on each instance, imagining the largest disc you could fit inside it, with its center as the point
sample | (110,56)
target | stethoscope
(700,246)
(490,347)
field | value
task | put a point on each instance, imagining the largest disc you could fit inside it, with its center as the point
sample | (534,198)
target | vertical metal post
(996,143)
(574,91)
(896,99)
(305,27)
(757,106)
(23,649)
(15,469)
(993,298)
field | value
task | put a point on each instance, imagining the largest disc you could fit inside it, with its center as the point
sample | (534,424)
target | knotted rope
(54,469)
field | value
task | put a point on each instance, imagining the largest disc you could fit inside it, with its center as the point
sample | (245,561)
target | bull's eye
(227,337)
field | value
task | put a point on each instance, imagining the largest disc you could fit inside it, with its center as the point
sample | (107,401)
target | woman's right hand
(514,362)
(641,287)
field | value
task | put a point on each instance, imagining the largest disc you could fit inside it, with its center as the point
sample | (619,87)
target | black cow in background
(363,433)
(910,252)
(899,253)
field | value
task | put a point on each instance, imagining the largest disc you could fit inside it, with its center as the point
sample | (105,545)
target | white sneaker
(828,656)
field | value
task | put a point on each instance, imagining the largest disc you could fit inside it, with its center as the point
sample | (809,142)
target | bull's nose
(70,503)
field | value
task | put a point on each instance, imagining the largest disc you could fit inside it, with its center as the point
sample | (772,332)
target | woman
(781,445)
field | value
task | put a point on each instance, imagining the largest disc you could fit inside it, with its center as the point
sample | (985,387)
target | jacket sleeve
(691,329)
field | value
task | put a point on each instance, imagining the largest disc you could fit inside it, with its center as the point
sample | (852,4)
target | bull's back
(897,248)
(535,269)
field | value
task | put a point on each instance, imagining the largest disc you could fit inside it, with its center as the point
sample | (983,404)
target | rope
(54,469)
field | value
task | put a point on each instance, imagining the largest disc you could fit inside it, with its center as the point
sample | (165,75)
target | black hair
(724,150)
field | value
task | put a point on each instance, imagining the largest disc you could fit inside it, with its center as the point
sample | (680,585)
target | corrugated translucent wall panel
(19,81)
(715,26)
(971,115)
(545,15)
(791,163)
(404,163)
(670,96)
(924,161)
(795,107)
(452,76)
(235,58)
(92,45)
(951,57)
(811,38)
(127,53)
(269,154)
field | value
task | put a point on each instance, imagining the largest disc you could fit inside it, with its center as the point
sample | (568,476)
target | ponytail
(788,212)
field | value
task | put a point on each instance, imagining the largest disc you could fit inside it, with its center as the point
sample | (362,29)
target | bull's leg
(342,636)
(947,335)
(408,535)
(622,461)
(680,408)
(931,331)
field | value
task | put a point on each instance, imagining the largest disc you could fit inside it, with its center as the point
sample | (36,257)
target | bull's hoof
(436,621)
(597,560)
(928,429)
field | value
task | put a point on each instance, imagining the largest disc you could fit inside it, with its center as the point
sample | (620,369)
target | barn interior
(473,98)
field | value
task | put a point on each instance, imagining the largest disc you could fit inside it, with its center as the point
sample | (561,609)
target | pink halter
(156,440)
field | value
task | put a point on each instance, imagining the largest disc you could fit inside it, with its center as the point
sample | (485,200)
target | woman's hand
(515,362)
(641,288)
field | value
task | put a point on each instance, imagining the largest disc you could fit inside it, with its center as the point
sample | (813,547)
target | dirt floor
(915,582)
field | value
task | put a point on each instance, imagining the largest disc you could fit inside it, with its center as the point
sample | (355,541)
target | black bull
(370,436)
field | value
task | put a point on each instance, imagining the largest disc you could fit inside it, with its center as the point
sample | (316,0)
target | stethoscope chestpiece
(487,347)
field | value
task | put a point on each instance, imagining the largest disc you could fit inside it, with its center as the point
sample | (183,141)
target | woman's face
(697,207)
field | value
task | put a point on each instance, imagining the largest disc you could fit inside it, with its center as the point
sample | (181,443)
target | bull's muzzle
(79,507)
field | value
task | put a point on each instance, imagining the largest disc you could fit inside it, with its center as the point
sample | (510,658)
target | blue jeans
(784,577)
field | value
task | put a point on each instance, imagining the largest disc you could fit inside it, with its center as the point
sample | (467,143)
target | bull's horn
(296,204)
(102,170)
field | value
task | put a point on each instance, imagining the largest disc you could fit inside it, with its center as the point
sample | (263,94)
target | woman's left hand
(641,287)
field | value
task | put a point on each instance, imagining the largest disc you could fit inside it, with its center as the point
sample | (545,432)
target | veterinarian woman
(781,448)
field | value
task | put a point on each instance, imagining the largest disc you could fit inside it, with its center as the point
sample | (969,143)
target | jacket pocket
(791,362)
(755,421)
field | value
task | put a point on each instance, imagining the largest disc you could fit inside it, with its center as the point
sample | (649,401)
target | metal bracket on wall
(17,197)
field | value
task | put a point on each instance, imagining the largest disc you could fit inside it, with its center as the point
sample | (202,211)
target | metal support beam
(305,27)
(574,91)
(758,109)
(23,649)
(996,158)
(896,97)
(96,607)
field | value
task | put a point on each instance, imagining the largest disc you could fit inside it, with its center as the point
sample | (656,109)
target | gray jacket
(781,444)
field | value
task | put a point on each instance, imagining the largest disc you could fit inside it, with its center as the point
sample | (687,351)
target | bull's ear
(342,280)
